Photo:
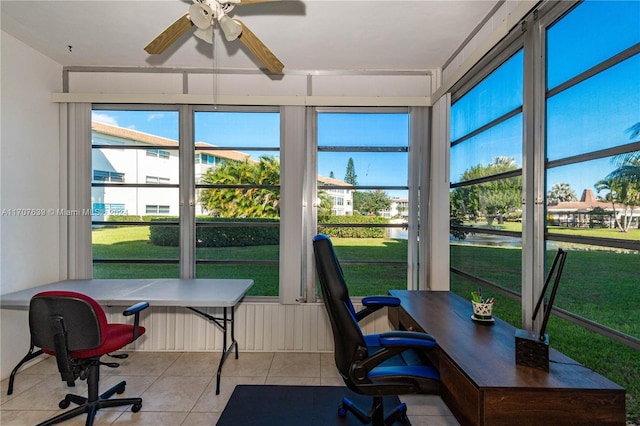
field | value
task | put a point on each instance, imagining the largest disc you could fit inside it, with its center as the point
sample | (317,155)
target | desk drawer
(459,393)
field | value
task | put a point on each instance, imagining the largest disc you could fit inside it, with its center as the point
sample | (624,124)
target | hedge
(352,232)
(219,236)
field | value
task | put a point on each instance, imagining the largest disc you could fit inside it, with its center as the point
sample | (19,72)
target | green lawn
(600,285)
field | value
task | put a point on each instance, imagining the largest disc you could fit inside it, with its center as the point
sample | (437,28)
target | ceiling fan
(204,14)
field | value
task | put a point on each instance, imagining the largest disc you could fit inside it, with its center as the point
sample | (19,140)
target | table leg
(28,357)
(223,323)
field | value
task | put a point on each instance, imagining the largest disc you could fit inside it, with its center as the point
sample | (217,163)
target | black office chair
(73,327)
(378,365)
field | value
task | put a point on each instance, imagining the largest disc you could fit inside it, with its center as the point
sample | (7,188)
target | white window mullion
(187,195)
(78,190)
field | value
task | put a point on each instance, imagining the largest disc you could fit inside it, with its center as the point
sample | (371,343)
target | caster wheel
(136,408)
(64,404)
(342,411)
(120,390)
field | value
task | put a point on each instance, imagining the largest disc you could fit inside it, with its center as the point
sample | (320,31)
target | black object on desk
(532,349)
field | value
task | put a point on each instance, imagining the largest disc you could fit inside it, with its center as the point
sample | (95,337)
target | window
(235,162)
(363,167)
(237,192)
(159,153)
(155,209)
(143,146)
(105,176)
(486,176)
(593,159)
(158,180)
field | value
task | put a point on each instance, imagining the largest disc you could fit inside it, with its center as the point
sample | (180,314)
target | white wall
(29,179)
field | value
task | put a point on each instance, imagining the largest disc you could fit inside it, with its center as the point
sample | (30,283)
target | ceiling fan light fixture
(230,28)
(206,35)
(201,15)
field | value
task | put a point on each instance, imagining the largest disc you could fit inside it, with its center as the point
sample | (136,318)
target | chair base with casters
(376,414)
(93,402)
(73,328)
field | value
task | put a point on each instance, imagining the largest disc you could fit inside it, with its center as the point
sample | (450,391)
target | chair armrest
(407,339)
(374,303)
(135,310)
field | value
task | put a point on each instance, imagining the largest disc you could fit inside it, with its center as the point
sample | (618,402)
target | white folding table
(192,294)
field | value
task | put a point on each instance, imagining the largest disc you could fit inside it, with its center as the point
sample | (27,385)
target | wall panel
(260,327)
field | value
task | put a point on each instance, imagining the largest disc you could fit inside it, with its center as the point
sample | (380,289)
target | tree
(350,176)
(324,205)
(263,202)
(332,175)
(371,202)
(623,185)
(561,192)
(492,199)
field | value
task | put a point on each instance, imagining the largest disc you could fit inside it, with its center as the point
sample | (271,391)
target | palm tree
(258,199)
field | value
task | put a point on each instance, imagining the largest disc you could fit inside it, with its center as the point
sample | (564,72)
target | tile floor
(179,388)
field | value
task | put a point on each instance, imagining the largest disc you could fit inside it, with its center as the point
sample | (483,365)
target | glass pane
(369,168)
(129,242)
(496,259)
(498,94)
(237,129)
(129,126)
(371,278)
(151,166)
(573,46)
(265,276)
(504,307)
(596,114)
(366,129)
(140,202)
(135,270)
(598,198)
(495,204)
(242,203)
(477,154)
(600,284)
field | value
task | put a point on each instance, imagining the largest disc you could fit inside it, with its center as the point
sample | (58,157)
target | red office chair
(73,327)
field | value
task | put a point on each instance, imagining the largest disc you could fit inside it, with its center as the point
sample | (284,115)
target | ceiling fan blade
(169,36)
(259,49)
(246,2)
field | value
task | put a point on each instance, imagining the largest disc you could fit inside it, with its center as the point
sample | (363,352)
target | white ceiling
(304,35)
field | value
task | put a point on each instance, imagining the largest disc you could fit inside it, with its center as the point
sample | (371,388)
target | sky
(590,116)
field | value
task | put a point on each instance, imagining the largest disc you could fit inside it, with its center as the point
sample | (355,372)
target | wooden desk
(481,383)
(191,294)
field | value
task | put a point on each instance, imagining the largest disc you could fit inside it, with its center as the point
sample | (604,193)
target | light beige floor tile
(201,419)
(433,421)
(210,402)
(328,366)
(103,418)
(142,418)
(173,393)
(45,395)
(24,418)
(425,405)
(331,381)
(195,364)
(251,364)
(295,364)
(144,363)
(23,383)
